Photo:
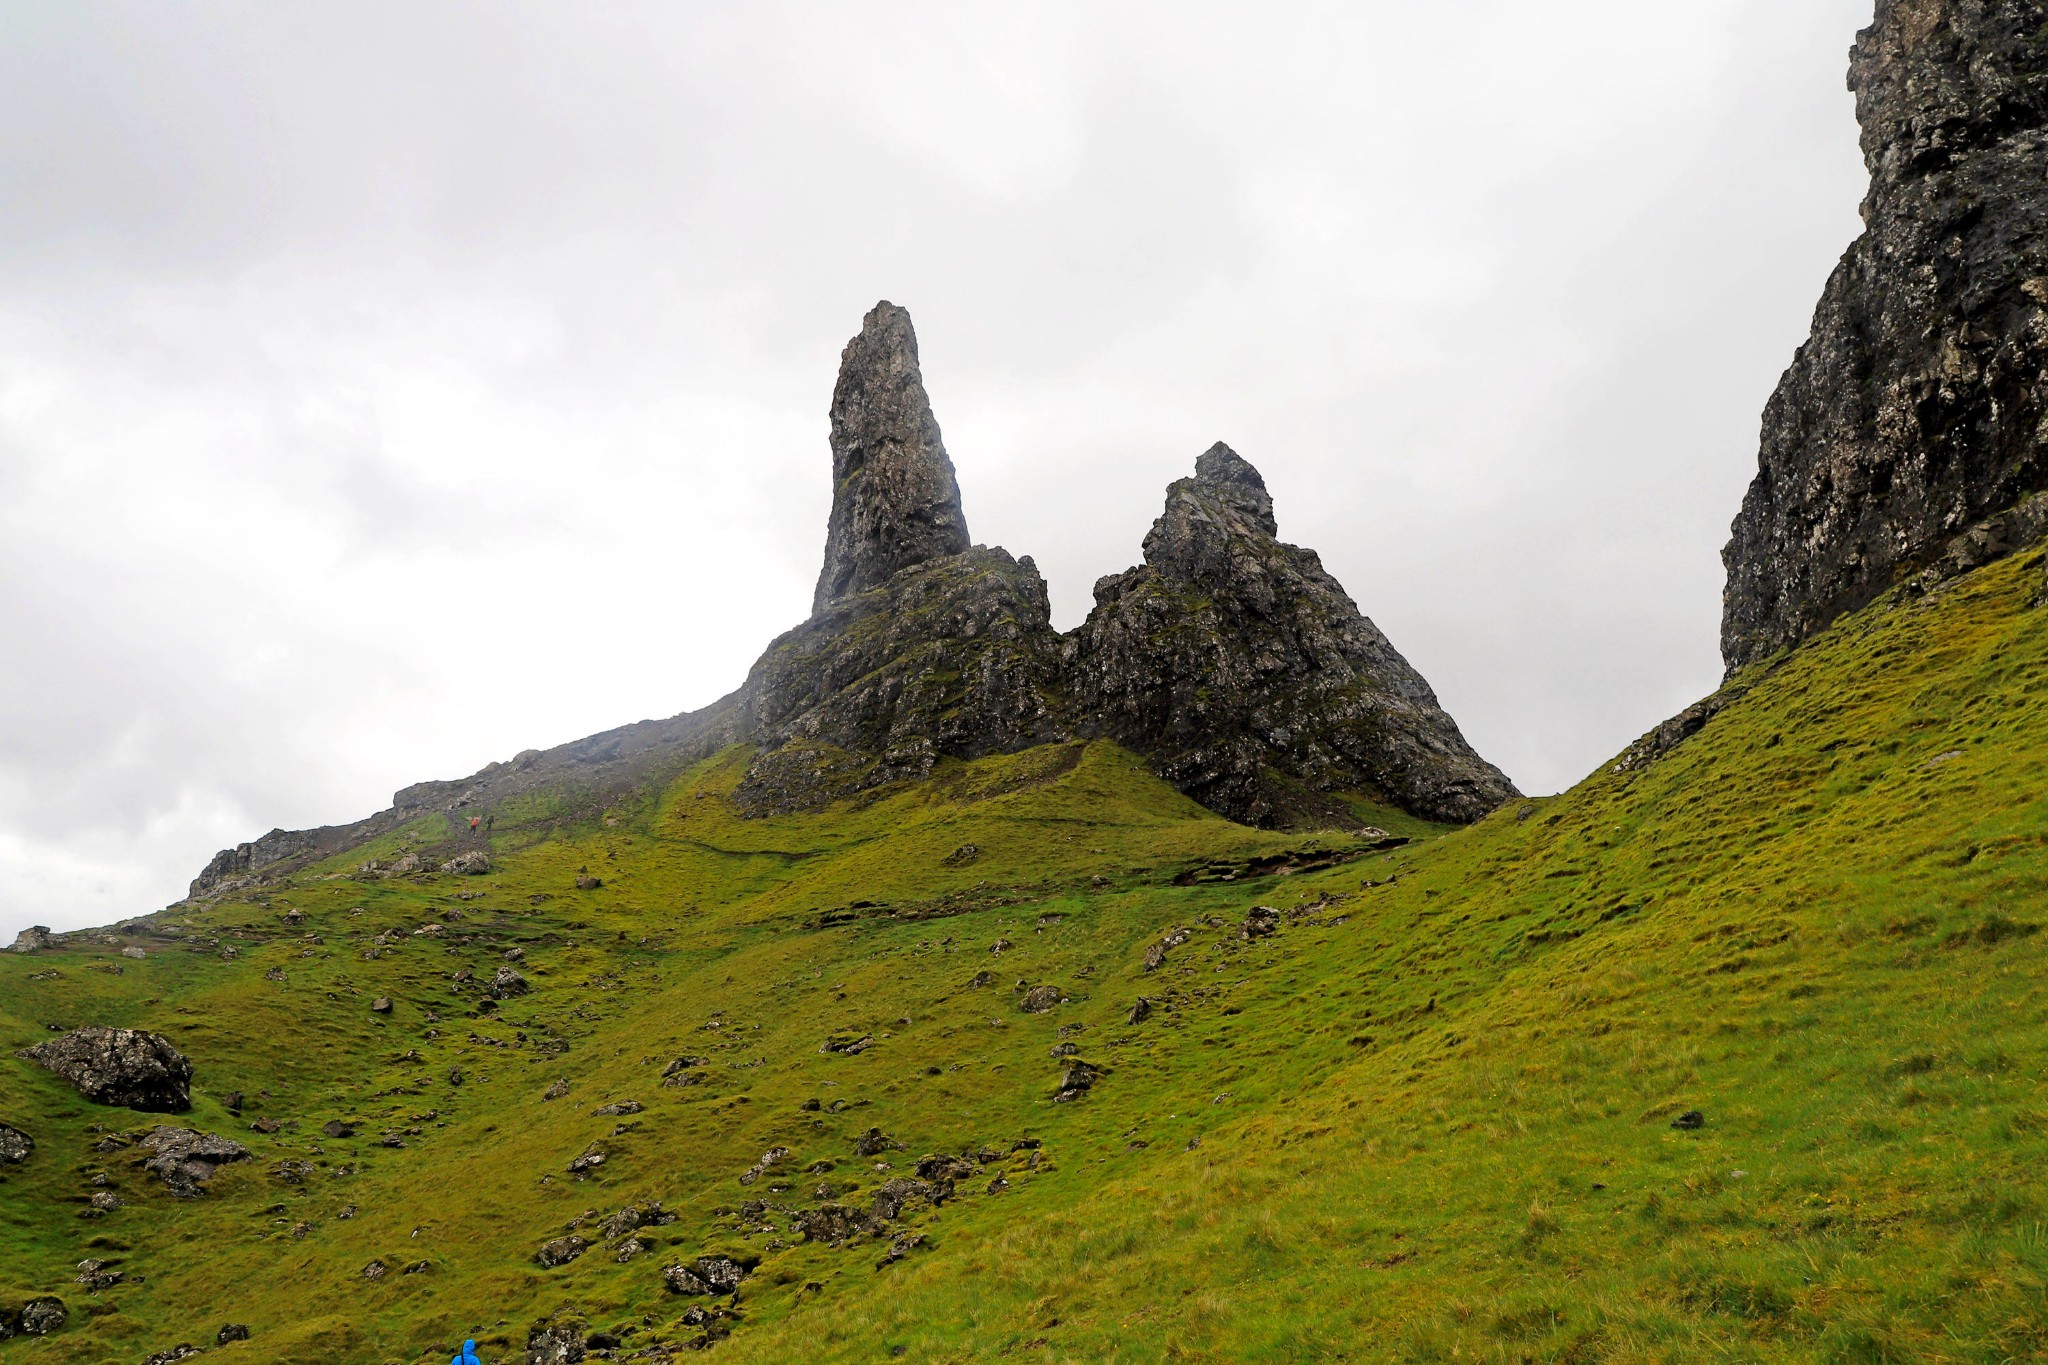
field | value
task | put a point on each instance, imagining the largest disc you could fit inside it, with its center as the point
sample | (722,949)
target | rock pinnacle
(895,501)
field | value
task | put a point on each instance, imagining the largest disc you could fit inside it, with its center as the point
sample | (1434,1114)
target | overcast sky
(387,388)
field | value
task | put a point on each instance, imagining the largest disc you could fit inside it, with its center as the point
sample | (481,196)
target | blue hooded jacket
(467,1355)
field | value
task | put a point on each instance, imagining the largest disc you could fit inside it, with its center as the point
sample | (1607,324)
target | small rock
(983,980)
(1040,999)
(381,1005)
(42,1316)
(1263,921)
(557,1090)
(184,1159)
(1078,1079)
(770,1159)
(1688,1121)
(15,1145)
(612,1111)
(1001,945)
(515,954)
(182,1351)
(589,883)
(561,1251)
(234,1331)
(1140,1011)
(900,1248)
(374,1271)
(133,953)
(1155,956)
(105,1201)
(507,984)
(232,1101)
(873,1142)
(593,1157)
(337,1128)
(717,1275)
(117,1066)
(847,1046)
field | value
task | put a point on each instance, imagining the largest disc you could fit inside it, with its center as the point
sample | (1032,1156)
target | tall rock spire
(895,501)
(1918,406)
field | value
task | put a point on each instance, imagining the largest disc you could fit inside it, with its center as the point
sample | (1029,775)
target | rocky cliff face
(1916,409)
(895,501)
(1231,661)
(1251,680)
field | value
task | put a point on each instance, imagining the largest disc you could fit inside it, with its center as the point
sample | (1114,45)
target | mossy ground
(1428,1119)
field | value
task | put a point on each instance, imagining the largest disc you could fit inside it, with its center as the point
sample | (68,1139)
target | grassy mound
(1420,1108)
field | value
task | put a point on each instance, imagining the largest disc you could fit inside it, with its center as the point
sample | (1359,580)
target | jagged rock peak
(1249,679)
(895,501)
(1916,408)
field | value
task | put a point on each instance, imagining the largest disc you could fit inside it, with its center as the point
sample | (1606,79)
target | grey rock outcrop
(15,1146)
(185,1159)
(955,657)
(895,501)
(35,938)
(1251,680)
(1918,407)
(127,1067)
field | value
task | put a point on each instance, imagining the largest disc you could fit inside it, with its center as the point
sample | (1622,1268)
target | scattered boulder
(847,1046)
(592,1158)
(338,1128)
(182,1351)
(1000,946)
(770,1159)
(104,1201)
(134,953)
(381,1005)
(833,1224)
(589,883)
(900,1248)
(472,864)
(1078,1079)
(982,980)
(557,1090)
(894,1195)
(961,856)
(33,939)
(561,1251)
(1040,999)
(1262,922)
(515,954)
(1690,1120)
(374,1271)
(1141,1010)
(619,1110)
(508,983)
(185,1159)
(1155,955)
(873,1143)
(15,1146)
(716,1275)
(42,1316)
(130,1068)
(232,1101)
(558,1344)
(234,1331)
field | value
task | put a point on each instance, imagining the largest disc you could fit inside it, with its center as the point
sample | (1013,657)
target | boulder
(130,1068)
(561,1251)
(1077,1080)
(716,1275)
(232,1332)
(32,939)
(185,1159)
(15,1146)
(507,983)
(560,1344)
(873,1143)
(1040,999)
(42,1316)
(472,864)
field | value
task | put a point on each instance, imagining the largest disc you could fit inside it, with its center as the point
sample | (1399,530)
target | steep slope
(1422,1110)
(1917,407)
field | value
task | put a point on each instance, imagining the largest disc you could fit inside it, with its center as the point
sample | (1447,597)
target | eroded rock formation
(895,501)
(1252,681)
(1917,408)
(131,1068)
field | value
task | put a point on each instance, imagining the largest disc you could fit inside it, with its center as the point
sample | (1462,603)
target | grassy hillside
(1427,1117)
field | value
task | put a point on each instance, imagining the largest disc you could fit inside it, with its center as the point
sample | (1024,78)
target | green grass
(1429,1119)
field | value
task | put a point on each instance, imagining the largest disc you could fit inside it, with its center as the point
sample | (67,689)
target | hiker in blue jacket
(467,1355)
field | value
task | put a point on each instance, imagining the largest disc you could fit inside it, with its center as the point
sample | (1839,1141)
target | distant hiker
(473,823)
(489,820)
(467,1355)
